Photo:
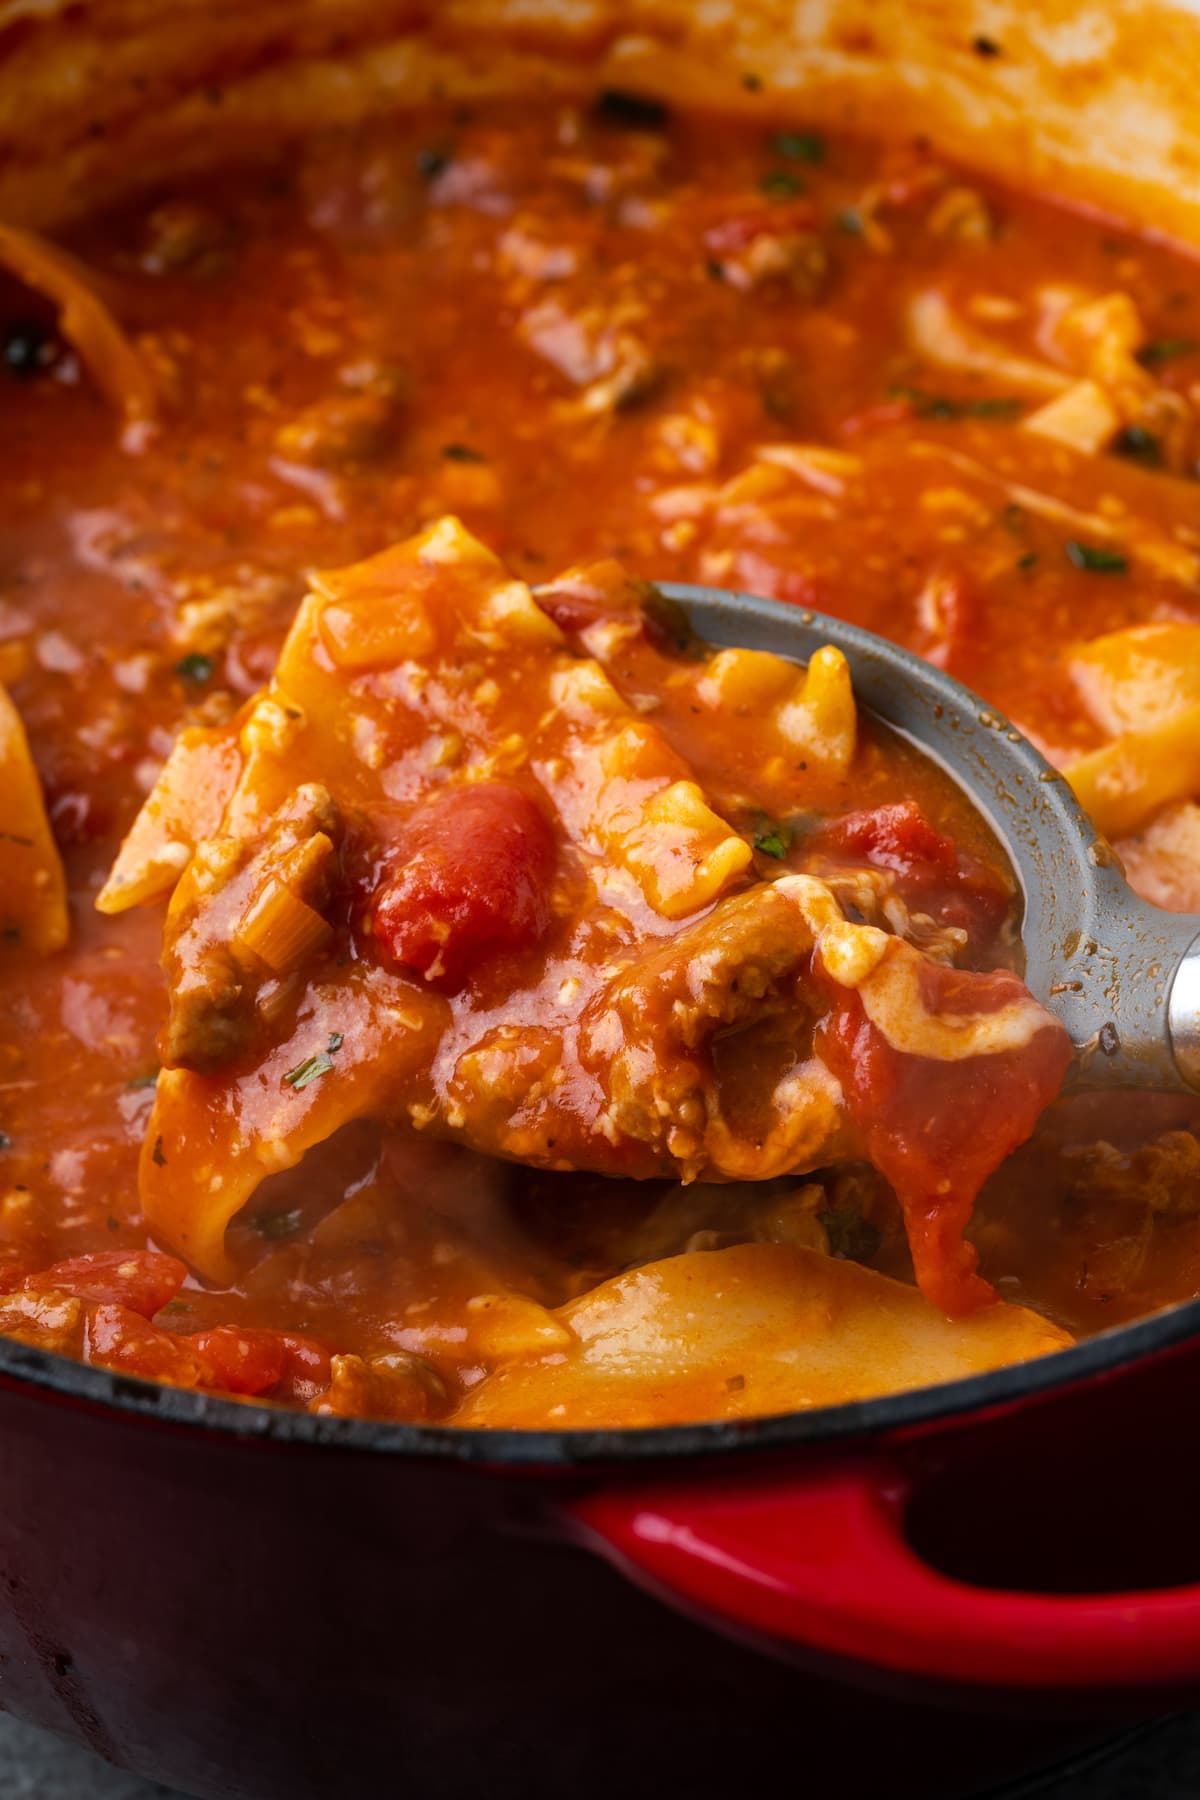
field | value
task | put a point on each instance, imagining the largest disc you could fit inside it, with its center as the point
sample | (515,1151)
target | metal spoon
(1121,974)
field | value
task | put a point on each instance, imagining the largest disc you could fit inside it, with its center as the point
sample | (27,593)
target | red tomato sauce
(695,346)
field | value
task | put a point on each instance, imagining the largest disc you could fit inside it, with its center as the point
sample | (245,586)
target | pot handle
(817,1559)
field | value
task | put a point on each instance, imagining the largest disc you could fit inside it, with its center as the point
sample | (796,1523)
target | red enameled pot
(907,1595)
(271,1606)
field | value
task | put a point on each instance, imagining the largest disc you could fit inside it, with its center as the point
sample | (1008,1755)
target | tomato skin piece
(230,1359)
(937,1130)
(468,878)
(931,872)
(306,1368)
(120,1339)
(141,1280)
(738,231)
(238,1361)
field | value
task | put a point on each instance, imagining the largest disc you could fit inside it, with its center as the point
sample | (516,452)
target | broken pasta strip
(33,896)
(117,367)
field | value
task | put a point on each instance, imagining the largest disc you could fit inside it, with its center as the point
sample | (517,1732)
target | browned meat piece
(1162,1176)
(658,1025)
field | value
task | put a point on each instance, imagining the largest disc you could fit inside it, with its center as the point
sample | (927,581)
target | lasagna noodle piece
(88,324)
(33,911)
(740,1332)
(301,999)
(1141,686)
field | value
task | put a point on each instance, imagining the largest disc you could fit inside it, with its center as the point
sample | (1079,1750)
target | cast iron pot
(255,1604)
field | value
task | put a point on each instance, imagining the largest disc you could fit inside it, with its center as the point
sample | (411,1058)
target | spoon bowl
(1121,974)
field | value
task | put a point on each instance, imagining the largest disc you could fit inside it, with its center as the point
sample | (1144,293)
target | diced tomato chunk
(583,596)
(938,1129)
(469,878)
(239,1361)
(12,1271)
(306,1368)
(120,1339)
(142,1280)
(739,230)
(932,874)
(781,572)
(873,418)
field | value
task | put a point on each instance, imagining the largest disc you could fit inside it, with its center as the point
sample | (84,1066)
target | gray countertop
(1159,1764)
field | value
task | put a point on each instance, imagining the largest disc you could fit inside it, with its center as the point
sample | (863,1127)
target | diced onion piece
(1083,417)
(119,370)
(33,894)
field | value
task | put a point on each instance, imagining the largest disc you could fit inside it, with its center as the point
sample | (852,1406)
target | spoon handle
(1183,1015)
(1126,984)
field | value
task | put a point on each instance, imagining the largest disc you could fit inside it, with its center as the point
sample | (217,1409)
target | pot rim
(48,1374)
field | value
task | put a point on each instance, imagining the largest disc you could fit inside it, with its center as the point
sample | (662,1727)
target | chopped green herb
(799,146)
(780,184)
(772,839)
(1140,446)
(942,406)
(176,1306)
(850,1235)
(336,1040)
(279,1225)
(28,348)
(311,1069)
(850,220)
(462,453)
(194,667)
(1027,562)
(1096,558)
(156,1155)
(1161,350)
(433,162)
(637,112)
(142,1081)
